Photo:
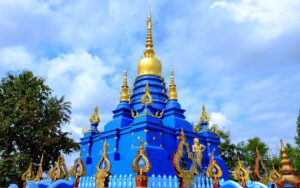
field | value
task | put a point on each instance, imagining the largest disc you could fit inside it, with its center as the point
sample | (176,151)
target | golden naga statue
(59,171)
(103,169)
(198,149)
(241,174)
(28,174)
(95,117)
(39,173)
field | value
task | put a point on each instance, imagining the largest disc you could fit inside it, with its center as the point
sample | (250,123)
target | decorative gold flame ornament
(147,98)
(78,170)
(274,175)
(172,87)
(183,153)
(241,174)
(95,117)
(204,116)
(258,166)
(39,173)
(28,174)
(214,171)
(59,171)
(124,91)
(141,166)
(103,169)
(198,149)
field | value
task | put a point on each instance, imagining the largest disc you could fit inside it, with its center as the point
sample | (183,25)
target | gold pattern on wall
(59,171)
(186,175)
(147,98)
(39,173)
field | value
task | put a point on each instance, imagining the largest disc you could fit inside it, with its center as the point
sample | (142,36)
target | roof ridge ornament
(172,87)
(124,91)
(95,117)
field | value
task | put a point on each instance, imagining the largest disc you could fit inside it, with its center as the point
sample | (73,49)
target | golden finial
(204,116)
(103,168)
(182,136)
(281,146)
(141,163)
(95,118)
(124,92)
(149,64)
(172,87)
(149,52)
(147,98)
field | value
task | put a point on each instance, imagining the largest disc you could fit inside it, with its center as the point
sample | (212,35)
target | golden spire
(204,116)
(149,64)
(286,167)
(124,92)
(149,52)
(172,87)
(95,118)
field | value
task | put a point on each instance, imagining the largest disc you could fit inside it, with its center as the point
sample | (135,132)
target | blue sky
(240,58)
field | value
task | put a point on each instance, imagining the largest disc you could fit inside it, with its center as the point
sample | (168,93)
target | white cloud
(272,16)
(218,119)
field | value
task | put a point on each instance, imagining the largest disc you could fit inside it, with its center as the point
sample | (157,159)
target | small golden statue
(198,149)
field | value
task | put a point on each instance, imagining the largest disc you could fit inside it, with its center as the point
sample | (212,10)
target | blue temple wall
(161,135)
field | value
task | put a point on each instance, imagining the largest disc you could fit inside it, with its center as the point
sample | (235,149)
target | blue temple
(150,113)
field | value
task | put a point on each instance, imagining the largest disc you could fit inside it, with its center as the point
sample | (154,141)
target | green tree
(229,151)
(31,124)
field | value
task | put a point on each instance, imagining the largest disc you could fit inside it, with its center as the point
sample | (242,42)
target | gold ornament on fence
(39,173)
(186,175)
(241,174)
(260,166)
(103,169)
(214,170)
(28,174)
(141,164)
(78,170)
(59,171)
(274,175)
